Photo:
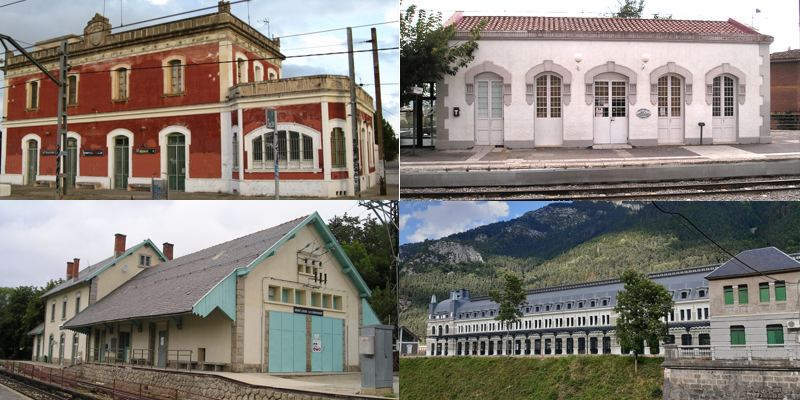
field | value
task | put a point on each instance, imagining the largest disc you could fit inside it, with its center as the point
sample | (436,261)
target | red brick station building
(184,101)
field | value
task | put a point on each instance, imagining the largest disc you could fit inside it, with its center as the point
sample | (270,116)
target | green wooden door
(176,161)
(33,162)
(121,161)
(287,342)
(327,344)
(71,163)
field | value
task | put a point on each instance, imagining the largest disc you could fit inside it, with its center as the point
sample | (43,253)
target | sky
(421,220)
(778,18)
(37,238)
(61,17)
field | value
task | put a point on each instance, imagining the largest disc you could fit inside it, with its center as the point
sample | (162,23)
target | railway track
(32,391)
(645,190)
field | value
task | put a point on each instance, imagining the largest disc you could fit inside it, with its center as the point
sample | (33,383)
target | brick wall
(785,86)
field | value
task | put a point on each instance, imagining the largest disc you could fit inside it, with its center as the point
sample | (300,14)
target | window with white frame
(241,70)
(258,71)
(295,151)
(272,74)
(33,95)
(235,152)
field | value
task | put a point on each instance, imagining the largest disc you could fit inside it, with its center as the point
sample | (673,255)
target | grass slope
(510,378)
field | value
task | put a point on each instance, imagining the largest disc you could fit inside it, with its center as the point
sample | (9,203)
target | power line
(224,62)
(711,240)
(337,29)
(12,3)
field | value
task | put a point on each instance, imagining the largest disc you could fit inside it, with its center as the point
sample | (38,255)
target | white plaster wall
(518,56)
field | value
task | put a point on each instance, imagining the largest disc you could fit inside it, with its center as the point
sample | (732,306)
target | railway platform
(485,166)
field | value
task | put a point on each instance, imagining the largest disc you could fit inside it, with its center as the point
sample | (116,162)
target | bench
(138,187)
(88,185)
(213,366)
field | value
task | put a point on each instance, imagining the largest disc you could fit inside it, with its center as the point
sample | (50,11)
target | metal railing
(787,352)
(116,389)
(785,121)
(141,357)
(179,358)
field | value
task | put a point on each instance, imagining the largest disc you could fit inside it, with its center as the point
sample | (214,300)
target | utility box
(375,358)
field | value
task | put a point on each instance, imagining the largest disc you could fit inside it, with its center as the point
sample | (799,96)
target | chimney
(119,244)
(76,267)
(167,250)
(69,270)
(224,7)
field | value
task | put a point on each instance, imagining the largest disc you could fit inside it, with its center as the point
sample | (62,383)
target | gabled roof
(766,260)
(93,270)
(657,28)
(205,280)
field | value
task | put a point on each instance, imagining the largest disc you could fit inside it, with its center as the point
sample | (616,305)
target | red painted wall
(146,85)
(204,151)
(251,65)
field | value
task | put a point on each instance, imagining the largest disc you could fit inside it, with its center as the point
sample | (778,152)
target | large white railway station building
(595,82)
(580,318)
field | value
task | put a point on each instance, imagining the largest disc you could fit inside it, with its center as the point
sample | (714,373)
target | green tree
(21,309)
(641,306)
(629,9)
(391,145)
(510,300)
(425,52)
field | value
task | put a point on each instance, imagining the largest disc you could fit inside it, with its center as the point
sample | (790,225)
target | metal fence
(116,389)
(788,352)
(785,121)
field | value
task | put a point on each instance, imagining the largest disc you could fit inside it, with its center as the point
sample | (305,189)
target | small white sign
(316,345)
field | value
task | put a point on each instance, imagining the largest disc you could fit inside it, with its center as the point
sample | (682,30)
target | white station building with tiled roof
(285,299)
(606,82)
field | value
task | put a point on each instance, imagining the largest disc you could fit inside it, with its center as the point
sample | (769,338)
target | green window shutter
(780,291)
(763,292)
(743,294)
(737,335)
(774,334)
(728,294)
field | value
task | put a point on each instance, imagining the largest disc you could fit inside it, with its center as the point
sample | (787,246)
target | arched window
(72,90)
(259,73)
(241,70)
(295,151)
(33,95)
(433,330)
(122,84)
(446,329)
(235,152)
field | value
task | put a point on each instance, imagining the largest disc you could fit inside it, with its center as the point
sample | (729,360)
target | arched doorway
(50,344)
(670,109)
(724,109)
(71,162)
(548,125)
(121,162)
(32,169)
(176,161)
(610,108)
(489,109)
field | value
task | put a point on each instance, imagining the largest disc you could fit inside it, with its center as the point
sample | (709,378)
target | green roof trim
(146,242)
(368,316)
(222,296)
(347,266)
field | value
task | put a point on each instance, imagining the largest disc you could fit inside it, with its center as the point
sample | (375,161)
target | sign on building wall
(307,311)
(316,344)
(643,113)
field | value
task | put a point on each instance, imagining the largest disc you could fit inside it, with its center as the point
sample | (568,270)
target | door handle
(612,119)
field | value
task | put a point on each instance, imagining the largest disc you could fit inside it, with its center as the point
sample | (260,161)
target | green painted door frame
(121,161)
(33,163)
(176,161)
(71,163)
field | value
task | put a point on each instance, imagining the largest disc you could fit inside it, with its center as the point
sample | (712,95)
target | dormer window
(701,293)
(580,304)
(605,302)
(684,294)
(144,260)
(592,303)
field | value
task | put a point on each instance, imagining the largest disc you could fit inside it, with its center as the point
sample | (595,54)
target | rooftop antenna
(104,8)
(120,12)
(266,20)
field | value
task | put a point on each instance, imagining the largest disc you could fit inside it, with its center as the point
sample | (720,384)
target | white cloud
(159,2)
(446,218)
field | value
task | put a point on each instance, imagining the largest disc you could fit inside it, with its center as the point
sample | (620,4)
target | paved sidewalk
(336,383)
(785,146)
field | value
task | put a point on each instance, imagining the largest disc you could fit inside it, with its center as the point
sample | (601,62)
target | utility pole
(61,167)
(62,84)
(379,111)
(354,114)
(272,123)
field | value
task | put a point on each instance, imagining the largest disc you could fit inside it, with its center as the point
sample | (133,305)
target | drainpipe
(701,125)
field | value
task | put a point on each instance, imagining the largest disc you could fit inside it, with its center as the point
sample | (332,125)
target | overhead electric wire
(338,29)
(219,62)
(683,217)
(12,3)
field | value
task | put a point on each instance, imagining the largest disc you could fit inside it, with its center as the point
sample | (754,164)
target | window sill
(32,109)
(174,94)
(281,170)
(125,100)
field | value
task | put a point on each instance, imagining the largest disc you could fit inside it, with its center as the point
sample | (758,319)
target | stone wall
(207,385)
(712,380)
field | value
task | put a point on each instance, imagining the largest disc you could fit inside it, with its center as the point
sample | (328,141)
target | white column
(326,141)
(225,145)
(240,124)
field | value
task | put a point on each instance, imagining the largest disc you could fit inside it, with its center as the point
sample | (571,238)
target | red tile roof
(606,25)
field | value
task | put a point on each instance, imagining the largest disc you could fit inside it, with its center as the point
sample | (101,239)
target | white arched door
(670,110)
(610,109)
(548,124)
(723,109)
(489,110)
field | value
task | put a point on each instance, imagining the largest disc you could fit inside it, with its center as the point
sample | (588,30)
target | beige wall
(125,268)
(54,328)
(281,270)
(754,306)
